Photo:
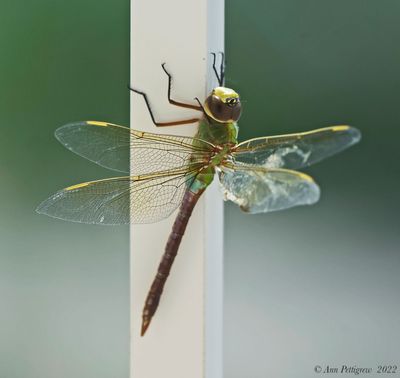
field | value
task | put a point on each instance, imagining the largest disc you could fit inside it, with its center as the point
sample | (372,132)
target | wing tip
(39,209)
(42,208)
(356,134)
(46,208)
(59,131)
(353,131)
(316,190)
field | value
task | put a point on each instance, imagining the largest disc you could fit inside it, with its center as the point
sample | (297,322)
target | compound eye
(218,109)
(231,101)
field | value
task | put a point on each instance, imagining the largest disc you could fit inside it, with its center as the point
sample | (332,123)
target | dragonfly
(165,172)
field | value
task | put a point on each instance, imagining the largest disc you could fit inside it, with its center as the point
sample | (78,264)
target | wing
(120,200)
(116,147)
(294,151)
(259,190)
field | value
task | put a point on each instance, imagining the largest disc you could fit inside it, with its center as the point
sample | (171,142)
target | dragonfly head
(223,105)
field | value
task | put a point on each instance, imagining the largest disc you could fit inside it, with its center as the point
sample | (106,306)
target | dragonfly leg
(161,124)
(173,102)
(221,75)
(202,109)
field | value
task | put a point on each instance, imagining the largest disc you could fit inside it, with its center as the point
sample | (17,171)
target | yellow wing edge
(336,128)
(98,123)
(106,124)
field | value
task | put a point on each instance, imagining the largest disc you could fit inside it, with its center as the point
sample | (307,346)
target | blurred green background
(64,288)
(309,286)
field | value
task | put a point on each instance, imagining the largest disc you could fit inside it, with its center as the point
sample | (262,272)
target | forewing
(294,151)
(114,147)
(260,190)
(120,200)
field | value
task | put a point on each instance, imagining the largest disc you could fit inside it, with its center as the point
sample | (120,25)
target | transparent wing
(294,151)
(112,146)
(259,190)
(120,200)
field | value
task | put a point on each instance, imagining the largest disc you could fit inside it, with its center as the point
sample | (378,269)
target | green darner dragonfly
(167,171)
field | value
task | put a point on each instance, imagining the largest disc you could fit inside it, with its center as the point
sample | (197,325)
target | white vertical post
(184,339)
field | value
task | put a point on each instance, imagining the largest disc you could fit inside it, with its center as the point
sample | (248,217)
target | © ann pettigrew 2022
(168,171)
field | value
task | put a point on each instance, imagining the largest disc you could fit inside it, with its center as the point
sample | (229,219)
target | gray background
(310,286)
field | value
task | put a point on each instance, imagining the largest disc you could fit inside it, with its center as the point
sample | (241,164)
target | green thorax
(219,134)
